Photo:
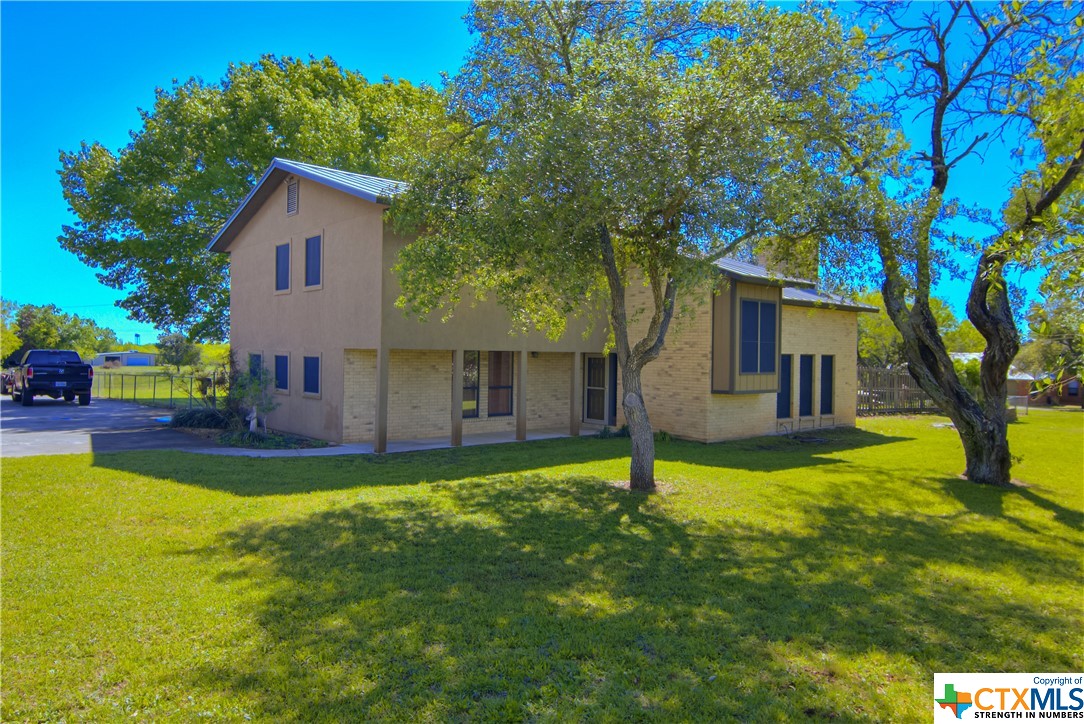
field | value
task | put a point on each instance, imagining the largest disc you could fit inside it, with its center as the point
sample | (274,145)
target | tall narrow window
(500,383)
(291,198)
(313,253)
(470,383)
(782,400)
(827,383)
(255,364)
(805,385)
(282,373)
(311,384)
(757,339)
(282,268)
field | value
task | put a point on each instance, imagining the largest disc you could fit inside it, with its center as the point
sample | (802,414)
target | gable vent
(291,198)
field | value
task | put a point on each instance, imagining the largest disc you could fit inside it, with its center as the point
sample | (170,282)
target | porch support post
(575,400)
(380,420)
(457,397)
(521,397)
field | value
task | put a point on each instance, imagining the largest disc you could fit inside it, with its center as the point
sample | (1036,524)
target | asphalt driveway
(55,427)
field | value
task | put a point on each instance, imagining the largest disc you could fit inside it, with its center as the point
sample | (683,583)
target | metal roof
(814,298)
(745,272)
(370,188)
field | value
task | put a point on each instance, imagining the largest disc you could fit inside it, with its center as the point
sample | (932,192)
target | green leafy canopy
(146,213)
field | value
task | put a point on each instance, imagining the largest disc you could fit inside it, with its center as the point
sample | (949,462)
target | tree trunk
(981,425)
(986,449)
(632,358)
(642,467)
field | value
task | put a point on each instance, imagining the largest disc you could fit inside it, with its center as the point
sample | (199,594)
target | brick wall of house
(359,394)
(419,394)
(677,386)
(549,380)
(822,332)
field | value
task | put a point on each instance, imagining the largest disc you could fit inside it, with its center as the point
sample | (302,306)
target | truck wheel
(27,398)
(84,399)
(69,396)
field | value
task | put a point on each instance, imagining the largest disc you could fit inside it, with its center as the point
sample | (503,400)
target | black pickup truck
(52,372)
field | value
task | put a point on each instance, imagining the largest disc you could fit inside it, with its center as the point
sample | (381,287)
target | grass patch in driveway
(772,579)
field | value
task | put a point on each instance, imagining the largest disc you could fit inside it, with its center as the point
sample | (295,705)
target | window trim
(275,374)
(289,265)
(740,338)
(477,413)
(511,386)
(319,376)
(305,281)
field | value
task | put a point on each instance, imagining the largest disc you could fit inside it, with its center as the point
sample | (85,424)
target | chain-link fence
(161,390)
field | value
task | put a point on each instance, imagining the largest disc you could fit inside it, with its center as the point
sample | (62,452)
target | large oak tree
(600,145)
(145,213)
(973,73)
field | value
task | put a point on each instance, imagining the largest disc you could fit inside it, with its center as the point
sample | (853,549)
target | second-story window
(282,268)
(757,351)
(313,261)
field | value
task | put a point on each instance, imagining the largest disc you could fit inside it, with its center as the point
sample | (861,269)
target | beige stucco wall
(474,325)
(343,313)
(352,314)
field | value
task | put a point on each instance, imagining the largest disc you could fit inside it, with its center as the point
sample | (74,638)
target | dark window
(805,385)
(1073,388)
(311,384)
(255,364)
(827,377)
(782,400)
(470,383)
(500,383)
(282,267)
(312,261)
(282,372)
(595,389)
(757,340)
(291,198)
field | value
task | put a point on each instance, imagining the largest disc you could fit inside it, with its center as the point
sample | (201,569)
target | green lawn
(772,579)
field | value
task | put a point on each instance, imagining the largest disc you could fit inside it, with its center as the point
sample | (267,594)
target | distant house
(131,358)
(1066,391)
(1019,382)
(312,302)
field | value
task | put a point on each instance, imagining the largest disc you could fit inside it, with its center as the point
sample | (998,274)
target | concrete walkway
(55,427)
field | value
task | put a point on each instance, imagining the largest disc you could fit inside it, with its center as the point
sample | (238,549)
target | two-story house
(313,303)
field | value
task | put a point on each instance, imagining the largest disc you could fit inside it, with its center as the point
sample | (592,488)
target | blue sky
(72,72)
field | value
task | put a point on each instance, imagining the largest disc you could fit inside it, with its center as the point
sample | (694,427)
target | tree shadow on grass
(988,500)
(527,597)
(287,476)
